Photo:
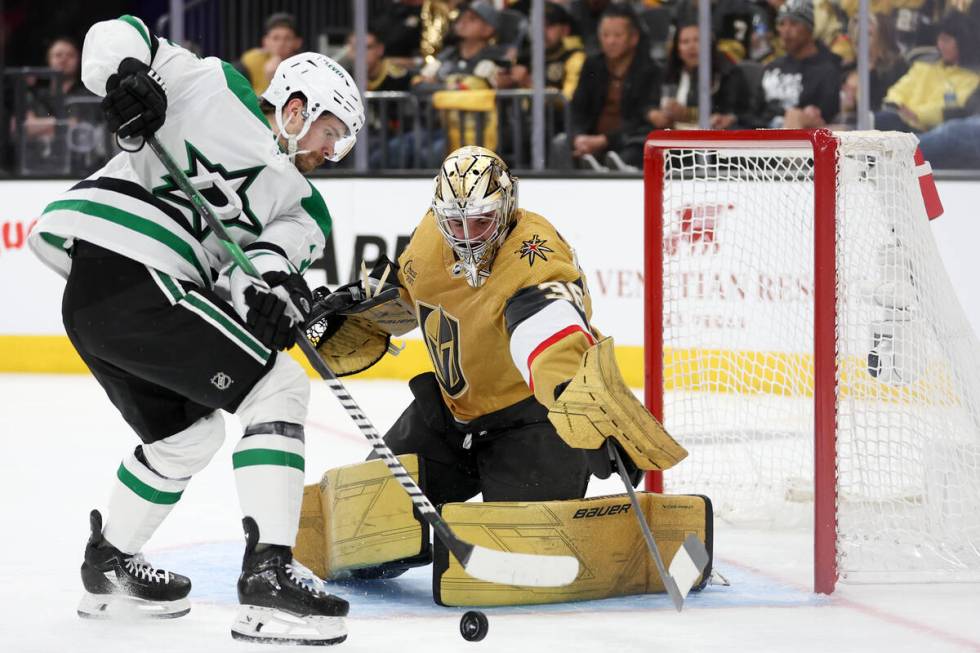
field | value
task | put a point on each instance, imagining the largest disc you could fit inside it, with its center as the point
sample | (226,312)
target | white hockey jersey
(215,131)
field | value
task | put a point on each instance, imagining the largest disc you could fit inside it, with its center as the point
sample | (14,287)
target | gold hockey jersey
(522,332)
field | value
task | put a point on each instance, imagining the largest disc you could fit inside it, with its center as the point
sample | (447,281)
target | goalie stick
(491,565)
(689,561)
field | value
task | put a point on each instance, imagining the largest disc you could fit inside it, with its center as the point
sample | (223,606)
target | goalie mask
(474,204)
(327,87)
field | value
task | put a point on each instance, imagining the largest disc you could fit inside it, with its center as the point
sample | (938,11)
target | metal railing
(406,131)
(53,133)
(227,28)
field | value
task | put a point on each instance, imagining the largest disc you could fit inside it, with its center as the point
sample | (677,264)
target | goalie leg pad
(359,517)
(601,532)
(597,404)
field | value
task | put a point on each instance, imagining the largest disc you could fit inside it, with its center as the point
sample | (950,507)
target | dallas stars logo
(532,248)
(226,191)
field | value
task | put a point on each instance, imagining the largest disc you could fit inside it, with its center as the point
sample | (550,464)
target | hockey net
(814,359)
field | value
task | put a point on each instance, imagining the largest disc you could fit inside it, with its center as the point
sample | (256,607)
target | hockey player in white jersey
(141,309)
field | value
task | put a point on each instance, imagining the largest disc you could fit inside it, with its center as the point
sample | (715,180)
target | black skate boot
(122,585)
(283,602)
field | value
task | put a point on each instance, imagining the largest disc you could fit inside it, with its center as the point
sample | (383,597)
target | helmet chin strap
(292,140)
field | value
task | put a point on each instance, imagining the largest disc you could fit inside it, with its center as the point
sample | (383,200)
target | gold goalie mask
(474,204)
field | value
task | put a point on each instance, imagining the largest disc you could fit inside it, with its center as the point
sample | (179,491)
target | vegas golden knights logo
(441,333)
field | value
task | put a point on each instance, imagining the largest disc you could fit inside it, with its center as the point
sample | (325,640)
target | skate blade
(271,626)
(118,606)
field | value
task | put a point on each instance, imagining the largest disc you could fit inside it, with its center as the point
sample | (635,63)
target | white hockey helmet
(327,87)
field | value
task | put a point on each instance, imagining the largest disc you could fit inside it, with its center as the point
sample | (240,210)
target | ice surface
(62,442)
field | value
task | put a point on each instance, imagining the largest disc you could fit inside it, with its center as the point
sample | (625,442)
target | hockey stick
(689,561)
(480,562)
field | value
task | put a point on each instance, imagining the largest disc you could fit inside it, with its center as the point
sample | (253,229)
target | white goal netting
(738,251)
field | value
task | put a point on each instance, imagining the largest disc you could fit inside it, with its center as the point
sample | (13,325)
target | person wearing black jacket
(617,88)
(801,89)
(729,89)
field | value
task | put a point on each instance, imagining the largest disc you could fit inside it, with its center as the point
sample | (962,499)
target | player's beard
(308,161)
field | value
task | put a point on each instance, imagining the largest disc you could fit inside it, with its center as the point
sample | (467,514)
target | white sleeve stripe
(537,329)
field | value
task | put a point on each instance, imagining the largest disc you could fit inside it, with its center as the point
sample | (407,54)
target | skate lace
(139,567)
(306,579)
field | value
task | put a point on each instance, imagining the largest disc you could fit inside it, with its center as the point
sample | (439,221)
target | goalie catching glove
(352,326)
(596,404)
(271,312)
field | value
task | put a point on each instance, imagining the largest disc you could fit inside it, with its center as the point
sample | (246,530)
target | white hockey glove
(271,313)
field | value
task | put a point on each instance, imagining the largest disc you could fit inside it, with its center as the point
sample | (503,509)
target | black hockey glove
(135,104)
(269,317)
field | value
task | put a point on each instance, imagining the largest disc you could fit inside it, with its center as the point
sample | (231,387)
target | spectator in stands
(886,66)
(563,56)
(401,23)
(830,28)
(472,62)
(617,89)
(679,99)
(281,40)
(384,75)
(587,14)
(955,144)
(800,89)
(930,93)
(829,21)
(731,23)
(46,100)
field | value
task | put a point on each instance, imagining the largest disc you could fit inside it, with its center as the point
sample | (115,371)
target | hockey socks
(141,499)
(269,467)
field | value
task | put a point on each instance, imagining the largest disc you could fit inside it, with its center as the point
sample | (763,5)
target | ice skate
(283,602)
(118,585)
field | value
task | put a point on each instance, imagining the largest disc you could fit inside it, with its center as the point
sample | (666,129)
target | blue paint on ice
(213,568)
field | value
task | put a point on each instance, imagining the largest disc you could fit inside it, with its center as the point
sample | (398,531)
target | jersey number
(564,290)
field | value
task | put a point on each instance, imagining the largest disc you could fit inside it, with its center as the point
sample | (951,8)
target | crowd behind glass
(447,72)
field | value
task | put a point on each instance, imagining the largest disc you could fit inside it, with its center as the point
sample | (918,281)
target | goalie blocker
(357,519)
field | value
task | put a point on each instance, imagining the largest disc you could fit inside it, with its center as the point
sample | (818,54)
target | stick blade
(529,570)
(688,563)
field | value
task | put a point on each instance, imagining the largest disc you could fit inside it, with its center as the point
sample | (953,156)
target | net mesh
(738,355)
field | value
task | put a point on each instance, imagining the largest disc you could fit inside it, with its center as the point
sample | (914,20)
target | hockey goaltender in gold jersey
(523,394)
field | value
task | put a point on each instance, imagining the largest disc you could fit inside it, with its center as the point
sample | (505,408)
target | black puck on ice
(474,626)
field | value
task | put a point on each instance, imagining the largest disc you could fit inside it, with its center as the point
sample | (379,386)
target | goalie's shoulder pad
(535,251)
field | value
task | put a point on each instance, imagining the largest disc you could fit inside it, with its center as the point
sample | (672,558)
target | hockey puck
(474,626)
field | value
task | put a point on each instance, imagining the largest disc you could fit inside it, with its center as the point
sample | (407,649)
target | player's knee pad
(359,518)
(282,395)
(602,532)
(185,453)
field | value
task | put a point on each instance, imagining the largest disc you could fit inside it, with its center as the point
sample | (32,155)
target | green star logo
(226,191)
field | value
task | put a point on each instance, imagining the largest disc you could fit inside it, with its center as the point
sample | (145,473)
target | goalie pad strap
(597,405)
(602,532)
